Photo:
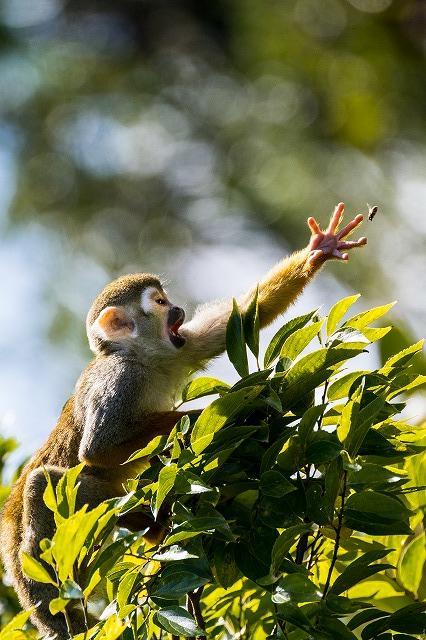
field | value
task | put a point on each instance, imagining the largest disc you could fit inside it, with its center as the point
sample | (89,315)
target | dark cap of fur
(121,292)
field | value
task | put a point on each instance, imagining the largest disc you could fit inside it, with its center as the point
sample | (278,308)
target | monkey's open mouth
(174,322)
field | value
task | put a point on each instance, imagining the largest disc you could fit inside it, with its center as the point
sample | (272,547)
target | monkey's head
(134,311)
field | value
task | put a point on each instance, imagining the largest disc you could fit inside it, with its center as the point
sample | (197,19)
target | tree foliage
(293,504)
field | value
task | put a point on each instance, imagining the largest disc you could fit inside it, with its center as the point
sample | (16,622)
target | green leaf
(366,616)
(225,569)
(349,416)
(294,615)
(299,340)
(190,484)
(374,524)
(252,380)
(358,570)
(72,535)
(372,475)
(10,631)
(235,342)
(251,324)
(340,388)
(274,348)
(35,570)
(173,554)
(376,333)
(363,319)
(381,504)
(296,587)
(70,590)
(406,382)
(156,445)
(125,588)
(166,480)
(58,605)
(338,310)
(283,544)
(178,583)
(270,456)
(322,450)
(336,628)
(402,357)
(361,424)
(308,422)
(49,495)
(217,414)
(178,621)
(273,483)
(411,571)
(411,619)
(313,369)
(201,387)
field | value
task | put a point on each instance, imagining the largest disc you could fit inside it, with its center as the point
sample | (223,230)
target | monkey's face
(163,315)
(135,317)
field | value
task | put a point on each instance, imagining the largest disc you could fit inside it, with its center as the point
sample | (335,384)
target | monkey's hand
(330,244)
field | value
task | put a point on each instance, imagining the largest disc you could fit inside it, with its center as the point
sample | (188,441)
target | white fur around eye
(146,299)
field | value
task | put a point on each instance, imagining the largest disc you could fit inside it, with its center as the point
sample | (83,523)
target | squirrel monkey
(143,351)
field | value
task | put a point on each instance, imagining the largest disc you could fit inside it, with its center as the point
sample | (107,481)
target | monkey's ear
(114,323)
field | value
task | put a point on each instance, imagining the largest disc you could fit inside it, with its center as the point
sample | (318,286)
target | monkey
(143,353)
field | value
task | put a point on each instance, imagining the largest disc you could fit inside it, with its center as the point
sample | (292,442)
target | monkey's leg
(38,523)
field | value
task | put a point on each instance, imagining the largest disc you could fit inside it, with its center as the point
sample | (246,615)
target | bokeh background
(192,139)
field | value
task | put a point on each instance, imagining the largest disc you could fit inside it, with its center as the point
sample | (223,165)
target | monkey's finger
(351,244)
(336,217)
(340,256)
(350,227)
(315,256)
(313,225)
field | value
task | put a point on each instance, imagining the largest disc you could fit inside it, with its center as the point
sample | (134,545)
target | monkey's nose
(176,314)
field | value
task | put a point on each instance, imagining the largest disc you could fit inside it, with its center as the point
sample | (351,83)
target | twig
(194,600)
(324,396)
(301,548)
(313,549)
(337,541)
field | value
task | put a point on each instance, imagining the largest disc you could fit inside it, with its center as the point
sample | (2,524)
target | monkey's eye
(160,301)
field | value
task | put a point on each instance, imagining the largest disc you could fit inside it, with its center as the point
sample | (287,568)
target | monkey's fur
(124,397)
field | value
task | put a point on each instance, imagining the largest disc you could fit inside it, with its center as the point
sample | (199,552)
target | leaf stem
(337,541)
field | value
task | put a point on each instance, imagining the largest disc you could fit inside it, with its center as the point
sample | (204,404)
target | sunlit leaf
(299,339)
(274,348)
(216,415)
(296,588)
(166,480)
(363,319)
(178,621)
(358,570)
(411,569)
(34,569)
(338,310)
(251,324)
(201,387)
(235,341)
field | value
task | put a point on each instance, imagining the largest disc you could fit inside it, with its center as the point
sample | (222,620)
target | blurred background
(192,139)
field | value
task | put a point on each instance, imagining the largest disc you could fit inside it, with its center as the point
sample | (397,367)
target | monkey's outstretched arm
(205,333)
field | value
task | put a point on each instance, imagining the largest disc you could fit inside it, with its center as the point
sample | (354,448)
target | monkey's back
(59,450)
